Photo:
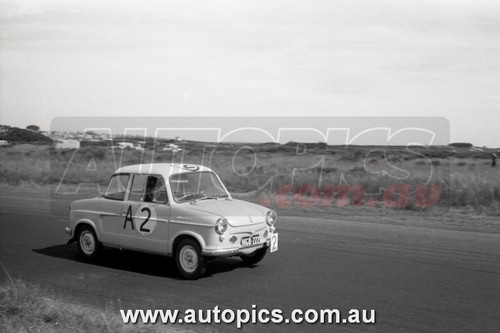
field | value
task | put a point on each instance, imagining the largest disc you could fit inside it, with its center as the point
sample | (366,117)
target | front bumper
(234,251)
(69,231)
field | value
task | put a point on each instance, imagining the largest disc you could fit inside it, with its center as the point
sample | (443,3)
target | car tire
(88,244)
(190,262)
(255,257)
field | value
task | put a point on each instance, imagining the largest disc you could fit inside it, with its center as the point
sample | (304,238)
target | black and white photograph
(249,166)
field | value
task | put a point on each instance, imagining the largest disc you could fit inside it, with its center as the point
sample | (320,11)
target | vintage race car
(179,210)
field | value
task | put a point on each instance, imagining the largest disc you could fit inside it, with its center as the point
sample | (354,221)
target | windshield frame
(171,181)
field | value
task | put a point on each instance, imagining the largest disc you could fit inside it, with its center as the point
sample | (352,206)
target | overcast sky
(253,58)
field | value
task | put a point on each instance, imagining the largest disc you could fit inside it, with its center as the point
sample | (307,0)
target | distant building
(138,146)
(67,144)
(461,145)
(123,145)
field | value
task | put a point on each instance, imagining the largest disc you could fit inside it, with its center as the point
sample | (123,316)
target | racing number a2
(129,218)
(146,220)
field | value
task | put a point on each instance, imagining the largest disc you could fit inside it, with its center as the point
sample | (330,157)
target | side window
(117,187)
(137,189)
(155,190)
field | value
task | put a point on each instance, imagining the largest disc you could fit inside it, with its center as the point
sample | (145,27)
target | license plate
(249,241)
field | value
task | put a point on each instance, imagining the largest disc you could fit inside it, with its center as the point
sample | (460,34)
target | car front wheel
(88,244)
(255,257)
(190,263)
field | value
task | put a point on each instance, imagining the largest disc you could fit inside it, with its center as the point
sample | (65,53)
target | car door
(109,209)
(147,212)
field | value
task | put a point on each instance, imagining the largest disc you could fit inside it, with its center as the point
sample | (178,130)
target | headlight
(271,217)
(221,226)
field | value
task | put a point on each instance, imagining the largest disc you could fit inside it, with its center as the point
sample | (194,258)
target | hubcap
(87,242)
(188,259)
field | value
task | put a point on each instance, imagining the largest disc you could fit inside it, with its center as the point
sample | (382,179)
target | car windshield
(196,186)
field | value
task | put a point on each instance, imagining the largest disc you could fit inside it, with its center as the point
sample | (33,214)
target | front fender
(78,223)
(196,236)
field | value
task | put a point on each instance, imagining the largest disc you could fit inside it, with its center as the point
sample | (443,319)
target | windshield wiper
(217,197)
(208,198)
(202,198)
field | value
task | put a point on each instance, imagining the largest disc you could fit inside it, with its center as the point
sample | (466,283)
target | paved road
(417,279)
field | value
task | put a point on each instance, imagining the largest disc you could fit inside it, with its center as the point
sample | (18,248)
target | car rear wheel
(88,244)
(190,263)
(255,257)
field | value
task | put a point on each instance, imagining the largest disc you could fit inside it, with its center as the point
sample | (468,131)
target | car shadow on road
(137,262)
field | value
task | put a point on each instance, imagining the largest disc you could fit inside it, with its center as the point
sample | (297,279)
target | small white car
(172,147)
(179,210)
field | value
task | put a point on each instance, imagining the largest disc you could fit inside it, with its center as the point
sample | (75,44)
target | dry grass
(28,308)
(467,178)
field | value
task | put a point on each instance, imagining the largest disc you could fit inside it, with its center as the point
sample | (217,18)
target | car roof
(165,169)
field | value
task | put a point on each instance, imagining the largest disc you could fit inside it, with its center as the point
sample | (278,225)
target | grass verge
(466,179)
(29,308)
